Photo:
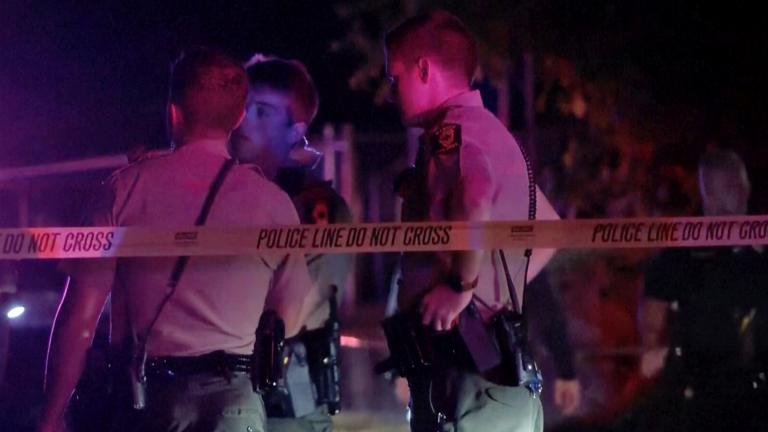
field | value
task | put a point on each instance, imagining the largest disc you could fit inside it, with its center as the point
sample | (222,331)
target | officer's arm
(653,325)
(78,314)
(653,322)
(72,335)
(662,282)
(292,293)
(472,201)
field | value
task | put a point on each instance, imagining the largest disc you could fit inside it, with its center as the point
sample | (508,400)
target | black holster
(323,347)
(497,350)
(416,349)
(411,349)
(294,395)
(266,363)
(311,376)
(129,380)
(414,355)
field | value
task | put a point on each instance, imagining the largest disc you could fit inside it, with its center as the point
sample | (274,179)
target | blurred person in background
(704,320)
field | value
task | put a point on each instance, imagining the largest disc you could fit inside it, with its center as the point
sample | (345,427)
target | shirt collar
(213,146)
(469,98)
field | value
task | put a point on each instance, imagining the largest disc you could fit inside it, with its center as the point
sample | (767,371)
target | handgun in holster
(138,377)
(498,350)
(266,363)
(416,348)
(412,356)
(311,372)
(411,351)
(127,364)
(294,395)
(417,351)
(323,348)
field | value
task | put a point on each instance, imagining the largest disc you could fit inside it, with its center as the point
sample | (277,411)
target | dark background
(80,80)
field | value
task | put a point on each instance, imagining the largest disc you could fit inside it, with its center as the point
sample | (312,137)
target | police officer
(469,168)
(704,320)
(194,325)
(282,102)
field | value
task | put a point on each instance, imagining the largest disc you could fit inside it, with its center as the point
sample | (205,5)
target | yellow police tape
(43,243)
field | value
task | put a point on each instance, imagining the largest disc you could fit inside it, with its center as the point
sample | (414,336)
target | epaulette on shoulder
(135,160)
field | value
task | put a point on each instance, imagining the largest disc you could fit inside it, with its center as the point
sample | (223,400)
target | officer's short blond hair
(437,35)
(210,89)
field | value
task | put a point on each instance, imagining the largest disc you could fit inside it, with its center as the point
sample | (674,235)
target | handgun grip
(266,362)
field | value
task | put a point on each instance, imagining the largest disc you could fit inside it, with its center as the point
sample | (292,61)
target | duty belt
(214,362)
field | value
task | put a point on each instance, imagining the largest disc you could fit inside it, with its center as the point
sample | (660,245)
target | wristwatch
(461,286)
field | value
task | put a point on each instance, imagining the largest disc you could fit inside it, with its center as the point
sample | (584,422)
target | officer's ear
(174,115)
(239,120)
(175,120)
(297,131)
(423,68)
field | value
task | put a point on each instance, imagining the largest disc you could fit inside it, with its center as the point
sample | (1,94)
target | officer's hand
(652,361)
(567,395)
(442,305)
(402,392)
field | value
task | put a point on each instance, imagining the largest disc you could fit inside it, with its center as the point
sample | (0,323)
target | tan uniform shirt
(219,300)
(319,203)
(469,168)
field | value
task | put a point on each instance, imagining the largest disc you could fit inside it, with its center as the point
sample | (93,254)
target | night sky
(79,80)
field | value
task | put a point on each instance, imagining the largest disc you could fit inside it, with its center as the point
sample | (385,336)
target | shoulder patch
(446,139)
